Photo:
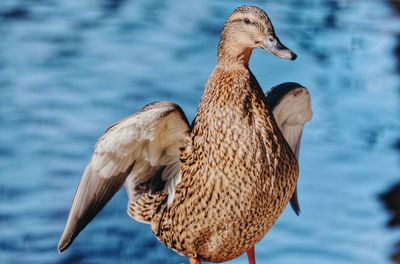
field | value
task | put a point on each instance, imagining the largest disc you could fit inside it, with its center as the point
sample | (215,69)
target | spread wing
(291,106)
(144,148)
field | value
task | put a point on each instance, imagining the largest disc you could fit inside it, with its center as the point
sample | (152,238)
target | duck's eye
(247,21)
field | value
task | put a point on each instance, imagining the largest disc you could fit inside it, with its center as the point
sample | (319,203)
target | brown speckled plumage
(238,172)
(211,190)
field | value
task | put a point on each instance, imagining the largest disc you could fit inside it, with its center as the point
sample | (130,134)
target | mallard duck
(210,190)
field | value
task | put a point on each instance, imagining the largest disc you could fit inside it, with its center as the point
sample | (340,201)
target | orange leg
(251,256)
(194,260)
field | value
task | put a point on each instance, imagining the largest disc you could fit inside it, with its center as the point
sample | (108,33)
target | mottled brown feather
(238,173)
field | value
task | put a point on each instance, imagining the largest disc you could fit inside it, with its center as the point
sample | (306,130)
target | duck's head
(249,27)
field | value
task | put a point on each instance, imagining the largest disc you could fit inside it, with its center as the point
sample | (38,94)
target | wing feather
(137,148)
(291,107)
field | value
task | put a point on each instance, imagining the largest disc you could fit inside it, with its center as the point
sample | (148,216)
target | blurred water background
(69,69)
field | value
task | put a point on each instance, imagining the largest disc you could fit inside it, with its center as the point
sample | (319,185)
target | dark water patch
(5,217)
(391,200)
(57,60)
(396,5)
(210,29)
(34,242)
(49,216)
(7,246)
(371,137)
(11,193)
(112,7)
(62,172)
(306,4)
(397,52)
(295,18)
(67,45)
(5,82)
(50,154)
(396,145)
(306,42)
(121,232)
(66,53)
(331,19)
(183,53)
(64,39)
(44,121)
(152,9)
(62,56)
(15,14)
(126,27)
(7,151)
(322,57)
(145,82)
(87,24)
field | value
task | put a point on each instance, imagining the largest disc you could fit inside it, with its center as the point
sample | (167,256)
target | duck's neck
(232,54)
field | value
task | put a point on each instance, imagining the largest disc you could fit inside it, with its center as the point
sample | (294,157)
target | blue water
(69,69)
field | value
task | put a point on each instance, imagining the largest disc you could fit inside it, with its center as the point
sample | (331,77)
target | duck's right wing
(144,147)
(291,106)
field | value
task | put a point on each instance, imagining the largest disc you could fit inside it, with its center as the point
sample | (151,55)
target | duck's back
(238,173)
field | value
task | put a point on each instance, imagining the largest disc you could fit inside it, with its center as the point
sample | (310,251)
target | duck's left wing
(291,106)
(144,148)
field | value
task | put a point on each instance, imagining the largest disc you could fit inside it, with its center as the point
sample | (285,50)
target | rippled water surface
(68,69)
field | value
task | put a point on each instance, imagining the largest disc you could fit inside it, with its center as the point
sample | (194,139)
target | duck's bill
(278,49)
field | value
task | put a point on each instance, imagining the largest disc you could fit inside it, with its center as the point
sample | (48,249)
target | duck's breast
(233,172)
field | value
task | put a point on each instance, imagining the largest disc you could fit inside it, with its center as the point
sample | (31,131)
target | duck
(212,189)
